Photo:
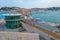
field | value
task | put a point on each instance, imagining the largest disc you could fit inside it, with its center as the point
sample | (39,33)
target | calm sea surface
(1,14)
(47,16)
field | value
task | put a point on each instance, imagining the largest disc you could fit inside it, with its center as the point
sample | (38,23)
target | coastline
(52,24)
(46,23)
(2,21)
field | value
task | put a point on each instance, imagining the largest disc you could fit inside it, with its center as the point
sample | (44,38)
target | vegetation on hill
(8,8)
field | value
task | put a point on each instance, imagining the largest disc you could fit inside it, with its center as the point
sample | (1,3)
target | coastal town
(20,20)
(29,19)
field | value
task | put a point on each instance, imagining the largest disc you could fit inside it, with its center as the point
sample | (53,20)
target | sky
(30,3)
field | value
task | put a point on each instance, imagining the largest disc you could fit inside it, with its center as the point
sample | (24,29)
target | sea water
(2,14)
(47,16)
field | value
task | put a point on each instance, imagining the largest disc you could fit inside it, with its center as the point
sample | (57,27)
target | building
(23,10)
(12,21)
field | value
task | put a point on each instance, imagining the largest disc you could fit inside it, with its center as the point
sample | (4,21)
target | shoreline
(52,24)
(48,23)
(2,21)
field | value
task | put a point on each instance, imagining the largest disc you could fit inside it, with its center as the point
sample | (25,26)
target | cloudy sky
(30,3)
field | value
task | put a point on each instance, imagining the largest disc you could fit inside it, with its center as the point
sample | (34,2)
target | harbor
(30,20)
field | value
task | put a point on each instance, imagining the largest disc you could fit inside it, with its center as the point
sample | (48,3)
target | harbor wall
(18,36)
(43,35)
(34,30)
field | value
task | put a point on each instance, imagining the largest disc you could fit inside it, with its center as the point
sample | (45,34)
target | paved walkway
(18,36)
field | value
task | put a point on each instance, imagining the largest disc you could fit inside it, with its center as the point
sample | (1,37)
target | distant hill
(15,9)
(25,10)
(51,8)
(54,8)
(9,8)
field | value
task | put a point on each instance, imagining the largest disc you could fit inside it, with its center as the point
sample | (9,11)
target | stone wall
(18,36)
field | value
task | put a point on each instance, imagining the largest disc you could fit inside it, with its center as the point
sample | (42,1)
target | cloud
(44,3)
(31,3)
(49,3)
(37,3)
(18,1)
